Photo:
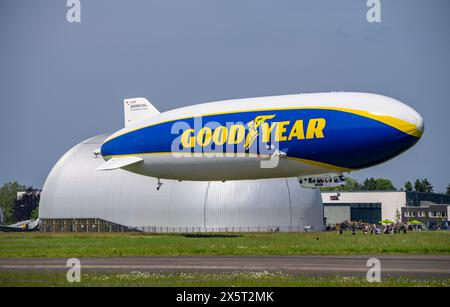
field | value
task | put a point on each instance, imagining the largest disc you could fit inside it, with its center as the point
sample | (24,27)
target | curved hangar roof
(74,189)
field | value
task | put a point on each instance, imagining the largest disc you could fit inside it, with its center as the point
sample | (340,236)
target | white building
(76,197)
(374,206)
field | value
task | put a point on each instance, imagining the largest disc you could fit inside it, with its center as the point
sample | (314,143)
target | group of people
(375,229)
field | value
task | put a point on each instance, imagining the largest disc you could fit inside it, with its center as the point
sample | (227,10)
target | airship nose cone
(420,125)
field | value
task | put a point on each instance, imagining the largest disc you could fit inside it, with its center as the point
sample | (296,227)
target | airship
(316,137)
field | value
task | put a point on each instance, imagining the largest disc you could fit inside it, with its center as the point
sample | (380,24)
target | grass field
(232,279)
(15,245)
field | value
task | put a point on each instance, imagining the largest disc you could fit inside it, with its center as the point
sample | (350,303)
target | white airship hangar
(76,197)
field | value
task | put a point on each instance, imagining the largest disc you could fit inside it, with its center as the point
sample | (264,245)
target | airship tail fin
(115,163)
(136,109)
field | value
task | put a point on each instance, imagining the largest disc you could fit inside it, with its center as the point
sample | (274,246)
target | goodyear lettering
(280,132)
(187,140)
(204,136)
(267,131)
(220,135)
(297,131)
(236,134)
(315,128)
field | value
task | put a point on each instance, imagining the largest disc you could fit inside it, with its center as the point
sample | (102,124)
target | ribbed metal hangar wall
(74,190)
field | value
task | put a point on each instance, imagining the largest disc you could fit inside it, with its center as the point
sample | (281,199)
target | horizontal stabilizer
(116,163)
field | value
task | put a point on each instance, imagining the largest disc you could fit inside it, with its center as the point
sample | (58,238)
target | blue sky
(64,82)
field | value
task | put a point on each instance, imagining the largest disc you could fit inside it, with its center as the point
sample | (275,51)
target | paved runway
(392,265)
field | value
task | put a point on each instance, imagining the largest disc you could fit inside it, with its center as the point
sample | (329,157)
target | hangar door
(365,212)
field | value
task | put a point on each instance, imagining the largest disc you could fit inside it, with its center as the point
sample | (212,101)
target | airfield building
(76,197)
(374,206)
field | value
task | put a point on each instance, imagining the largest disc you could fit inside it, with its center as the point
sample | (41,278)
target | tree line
(422,186)
(382,184)
(24,208)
